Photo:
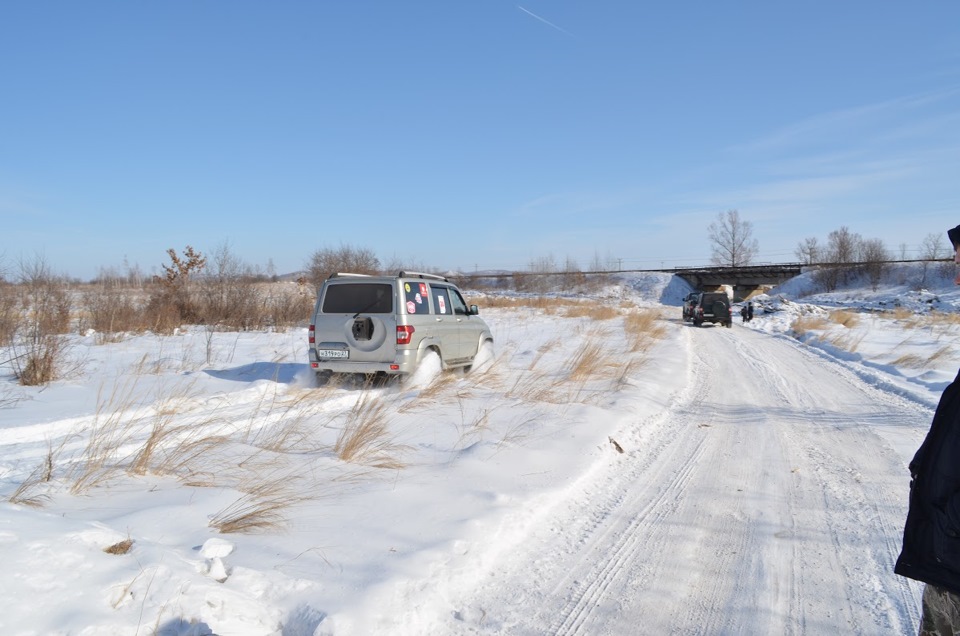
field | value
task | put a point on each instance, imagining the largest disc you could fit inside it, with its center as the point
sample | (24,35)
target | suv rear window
(358,298)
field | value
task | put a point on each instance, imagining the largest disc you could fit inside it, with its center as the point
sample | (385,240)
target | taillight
(312,335)
(404,334)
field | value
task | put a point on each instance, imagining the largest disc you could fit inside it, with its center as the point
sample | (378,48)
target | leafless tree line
(846,256)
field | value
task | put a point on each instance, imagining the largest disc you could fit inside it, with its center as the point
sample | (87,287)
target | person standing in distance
(931,535)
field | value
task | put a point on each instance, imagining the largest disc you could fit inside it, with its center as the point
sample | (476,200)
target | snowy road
(774,507)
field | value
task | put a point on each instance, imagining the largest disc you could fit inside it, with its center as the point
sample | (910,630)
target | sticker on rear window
(411,307)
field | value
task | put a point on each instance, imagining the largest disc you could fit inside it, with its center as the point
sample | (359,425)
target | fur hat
(954,235)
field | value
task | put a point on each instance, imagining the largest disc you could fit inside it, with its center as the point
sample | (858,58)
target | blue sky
(471,134)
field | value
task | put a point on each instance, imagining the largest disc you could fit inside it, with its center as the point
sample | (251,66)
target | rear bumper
(404,362)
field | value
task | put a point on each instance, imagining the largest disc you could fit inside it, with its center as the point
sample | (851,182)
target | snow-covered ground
(709,480)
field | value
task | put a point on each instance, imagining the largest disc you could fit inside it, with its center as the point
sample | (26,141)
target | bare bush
(111,307)
(327,261)
(40,362)
(44,312)
(289,305)
(10,313)
(45,299)
(171,301)
(231,295)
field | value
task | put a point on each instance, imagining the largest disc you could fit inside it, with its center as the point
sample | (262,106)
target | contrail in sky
(547,22)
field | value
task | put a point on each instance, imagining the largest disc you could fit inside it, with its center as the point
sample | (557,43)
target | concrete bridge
(744,280)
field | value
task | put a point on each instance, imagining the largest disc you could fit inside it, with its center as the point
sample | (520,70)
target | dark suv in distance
(712,307)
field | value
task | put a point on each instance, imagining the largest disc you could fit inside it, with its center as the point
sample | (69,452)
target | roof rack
(403,274)
(339,274)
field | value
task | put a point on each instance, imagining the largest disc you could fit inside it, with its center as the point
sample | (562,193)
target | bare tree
(932,248)
(808,251)
(843,246)
(874,256)
(732,241)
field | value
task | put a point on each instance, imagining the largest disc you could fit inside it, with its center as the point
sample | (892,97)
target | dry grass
(440,385)
(542,350)
(848,341)
(365,437)
(940,318)
(592,311)
(262,507)
(901,313)
(108,433)
(285,420)
(168,448)
(548,304)
(915,361)
(534,386)
(643,328)
(26,493)
(845,317)
(805,324)
(121,547)
(588,361)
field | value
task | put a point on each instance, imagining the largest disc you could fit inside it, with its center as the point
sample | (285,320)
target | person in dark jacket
(931,535)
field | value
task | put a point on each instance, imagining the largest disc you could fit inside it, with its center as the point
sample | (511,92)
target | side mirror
(474,310)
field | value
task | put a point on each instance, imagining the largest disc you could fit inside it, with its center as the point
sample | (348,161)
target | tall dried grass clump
(643,328)
(365,437)
(805,324)
(261,508)
(110,430)
(845,317)
(914,361)
(588,361)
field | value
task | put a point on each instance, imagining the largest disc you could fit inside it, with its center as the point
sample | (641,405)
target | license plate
(333,353)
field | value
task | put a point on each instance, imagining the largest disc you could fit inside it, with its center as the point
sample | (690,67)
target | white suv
(388,324)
